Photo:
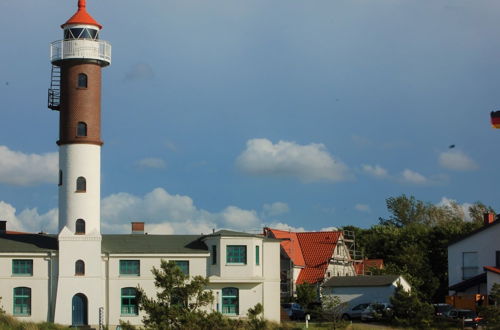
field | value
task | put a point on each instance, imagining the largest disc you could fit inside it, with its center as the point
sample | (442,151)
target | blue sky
(239,114)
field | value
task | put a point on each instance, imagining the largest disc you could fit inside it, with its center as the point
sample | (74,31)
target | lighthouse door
(79,307)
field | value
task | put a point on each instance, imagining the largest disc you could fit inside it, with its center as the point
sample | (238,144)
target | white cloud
(28,220)
(237,218)
(376,170)
(152,163)
(448,202)
(456,160)
(329,229)
(285,227)
(410,176)
(362,208)
(309,163)
(274,209)
(17,168)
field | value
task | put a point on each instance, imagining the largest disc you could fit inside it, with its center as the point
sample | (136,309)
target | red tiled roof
(82,16)
(366,264)
(290,245)
(317,249)
(492,269)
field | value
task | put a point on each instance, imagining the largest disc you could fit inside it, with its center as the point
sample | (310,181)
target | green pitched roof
(26,243)
(374,280)
(153,244)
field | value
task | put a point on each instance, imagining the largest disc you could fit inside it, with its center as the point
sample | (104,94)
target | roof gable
(290,245)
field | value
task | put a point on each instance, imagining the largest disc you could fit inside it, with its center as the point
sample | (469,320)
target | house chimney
(488,218)
(3,227)
(138,228)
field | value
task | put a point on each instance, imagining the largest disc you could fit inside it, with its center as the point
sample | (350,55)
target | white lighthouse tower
(76,93)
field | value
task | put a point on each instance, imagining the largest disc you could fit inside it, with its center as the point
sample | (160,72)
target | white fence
(81,48)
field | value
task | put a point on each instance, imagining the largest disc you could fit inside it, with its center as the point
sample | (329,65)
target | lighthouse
(75,91)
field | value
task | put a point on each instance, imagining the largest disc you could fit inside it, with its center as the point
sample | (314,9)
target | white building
(241,269)
(474,260)
(355,290)
(81,277)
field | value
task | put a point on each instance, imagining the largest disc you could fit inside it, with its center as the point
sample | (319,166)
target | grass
(8,322)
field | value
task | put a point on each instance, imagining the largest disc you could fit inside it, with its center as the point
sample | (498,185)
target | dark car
(441,310)
(468,316)
(355,312)
(294,311)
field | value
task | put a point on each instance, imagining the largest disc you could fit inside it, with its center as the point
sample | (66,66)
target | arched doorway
(79,310)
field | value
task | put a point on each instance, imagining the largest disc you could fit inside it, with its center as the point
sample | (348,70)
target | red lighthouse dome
(82,17)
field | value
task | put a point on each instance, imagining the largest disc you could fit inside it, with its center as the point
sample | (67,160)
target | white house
(474,260)
(241,269)
(356,290)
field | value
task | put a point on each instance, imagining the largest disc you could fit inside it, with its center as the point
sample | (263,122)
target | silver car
(355,312)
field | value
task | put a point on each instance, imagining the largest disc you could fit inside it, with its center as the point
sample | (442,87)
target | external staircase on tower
(54,95)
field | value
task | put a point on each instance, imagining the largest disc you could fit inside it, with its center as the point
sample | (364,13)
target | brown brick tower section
(80,102)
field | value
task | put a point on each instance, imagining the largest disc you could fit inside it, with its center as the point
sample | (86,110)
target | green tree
(178,300)
(408,310)
(306,294)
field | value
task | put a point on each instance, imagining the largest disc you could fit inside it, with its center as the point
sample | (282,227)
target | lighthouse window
(81,129)
(60,178)
(81,33)
(79,268)
(80,227)
(81,184)
(82,80)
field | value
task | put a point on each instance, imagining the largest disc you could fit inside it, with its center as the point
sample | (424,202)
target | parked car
(294,311)
(377,311)
(469,317)
(441,310)
(354,312)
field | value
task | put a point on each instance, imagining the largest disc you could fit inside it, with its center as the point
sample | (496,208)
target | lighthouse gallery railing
(83,49)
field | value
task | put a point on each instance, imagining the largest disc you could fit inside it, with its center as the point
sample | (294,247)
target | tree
(178,300)
(333,308)
(306,294)
(409,310)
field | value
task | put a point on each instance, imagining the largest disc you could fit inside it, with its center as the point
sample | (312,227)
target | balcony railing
(81,49)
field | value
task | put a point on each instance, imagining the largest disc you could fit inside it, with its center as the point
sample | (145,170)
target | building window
(22,267)
(60,178)
(22,301)
(129,267)
(230,301)
(469,265)
(80,227)
(214,254)
(81,129)
(183,265)
(81,184)
(82,80)
(79,268)
(129,302)
(257,255)
(498,260)
(236,254)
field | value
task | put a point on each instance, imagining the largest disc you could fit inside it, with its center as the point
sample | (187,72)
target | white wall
(485,243)
(492,278)
(38,283)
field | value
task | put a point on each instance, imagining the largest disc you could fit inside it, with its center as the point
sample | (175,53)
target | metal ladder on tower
(54,95)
